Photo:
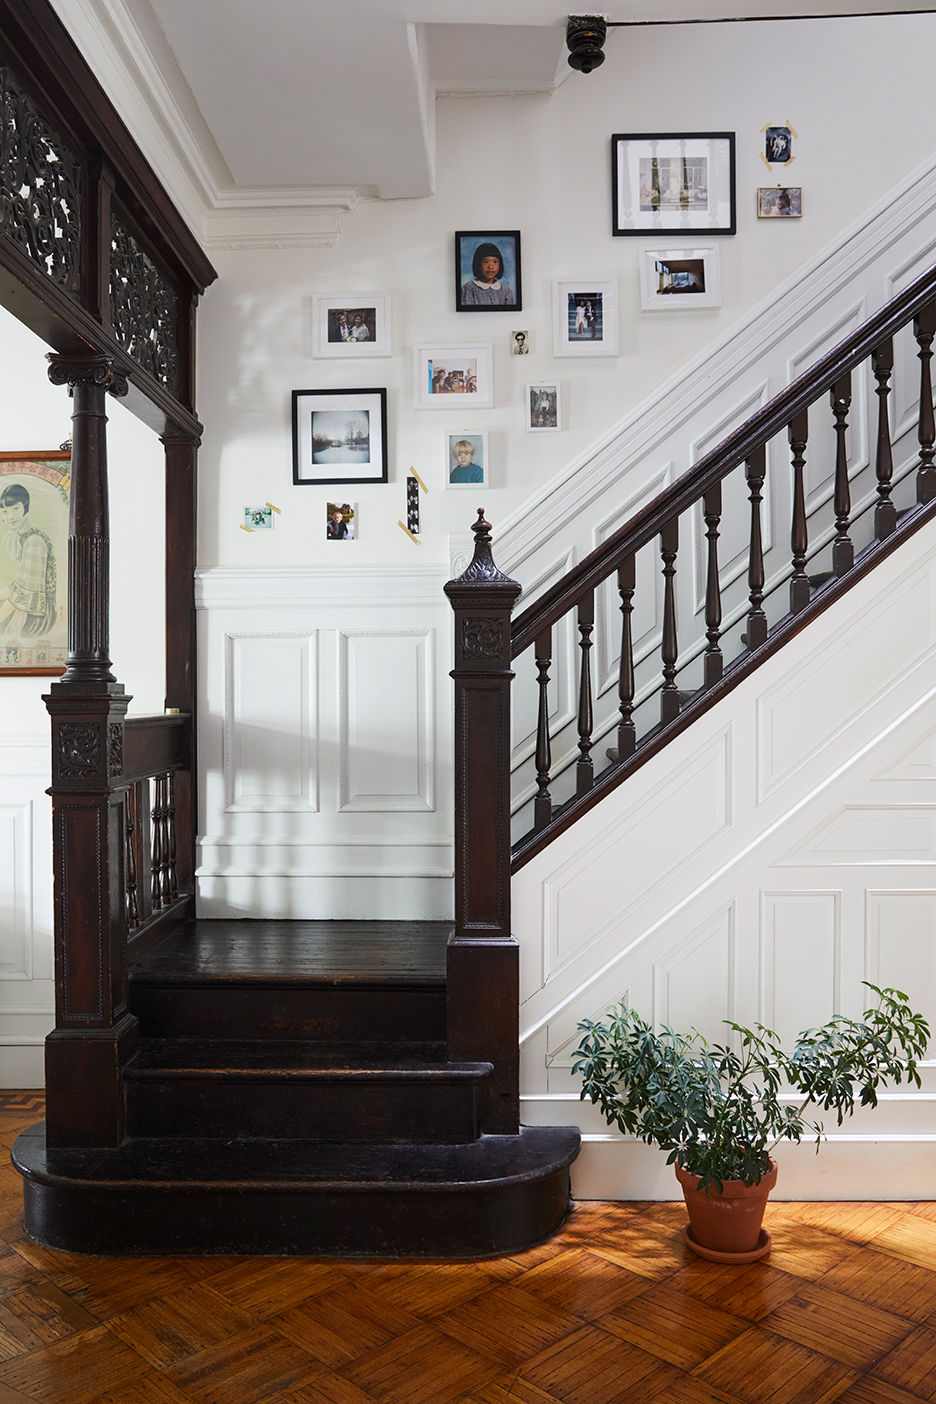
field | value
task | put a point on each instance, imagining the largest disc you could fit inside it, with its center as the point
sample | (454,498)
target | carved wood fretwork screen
(144,309)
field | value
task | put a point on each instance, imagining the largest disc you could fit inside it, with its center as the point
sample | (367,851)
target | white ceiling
(247,105)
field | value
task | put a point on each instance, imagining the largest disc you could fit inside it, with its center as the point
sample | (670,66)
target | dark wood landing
(177,1197)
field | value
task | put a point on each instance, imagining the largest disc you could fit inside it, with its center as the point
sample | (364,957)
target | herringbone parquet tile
(615,1310)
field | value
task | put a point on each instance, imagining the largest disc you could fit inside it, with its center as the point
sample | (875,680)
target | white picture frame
(543,412)
(681,278)
(585,317)
(369,310)
(460,366)
(478,439)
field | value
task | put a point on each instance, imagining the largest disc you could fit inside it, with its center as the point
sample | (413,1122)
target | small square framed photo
(487,271)
(673,182)
(779,202)
(351,325)
(466,464)
(543,408)
(585,317)
(339,436)
(340,521)
(677,280)
(448,377)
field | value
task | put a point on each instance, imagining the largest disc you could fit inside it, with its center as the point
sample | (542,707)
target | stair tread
(293,1060)
(282,1164)
(329,954)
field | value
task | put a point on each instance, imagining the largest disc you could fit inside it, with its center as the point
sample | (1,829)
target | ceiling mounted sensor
(585,36)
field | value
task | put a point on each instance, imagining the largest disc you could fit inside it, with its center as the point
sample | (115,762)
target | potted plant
(719,1111)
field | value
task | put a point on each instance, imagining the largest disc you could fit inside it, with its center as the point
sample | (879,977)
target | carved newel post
(483,959)
(94,1031)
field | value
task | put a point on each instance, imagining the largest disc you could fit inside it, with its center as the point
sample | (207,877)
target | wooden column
(94,1031)
(483,959)
(181,651)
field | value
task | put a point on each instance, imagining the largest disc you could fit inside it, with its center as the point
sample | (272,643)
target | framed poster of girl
(33,562)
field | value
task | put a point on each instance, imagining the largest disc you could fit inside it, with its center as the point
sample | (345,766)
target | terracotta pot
(726,1227)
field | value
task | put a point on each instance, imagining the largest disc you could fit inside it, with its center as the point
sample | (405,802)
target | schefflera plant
(717,1111)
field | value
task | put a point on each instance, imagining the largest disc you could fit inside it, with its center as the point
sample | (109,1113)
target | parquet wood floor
(614,1308)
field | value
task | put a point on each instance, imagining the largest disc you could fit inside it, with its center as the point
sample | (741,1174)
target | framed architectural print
(543,412)
(452,377)
(339,436)
(673,182)
(585,318)
(466,464)
(351,326)
(487,271)
(680,279)
(34,562)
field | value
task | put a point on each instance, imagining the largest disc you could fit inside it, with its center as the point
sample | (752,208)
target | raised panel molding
(900,943)
(858,834)
(917,762)
(561,1044)
(694,981)
(800,959)
(386,708)
(16,925)
(271,721)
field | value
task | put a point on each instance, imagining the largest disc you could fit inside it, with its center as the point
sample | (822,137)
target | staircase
(291,1094)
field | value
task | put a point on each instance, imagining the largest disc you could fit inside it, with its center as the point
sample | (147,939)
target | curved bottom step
(500,1194)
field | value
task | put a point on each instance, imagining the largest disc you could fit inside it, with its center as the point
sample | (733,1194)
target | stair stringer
(777,853)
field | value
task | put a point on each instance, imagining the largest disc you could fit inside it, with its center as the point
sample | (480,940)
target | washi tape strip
(412,538)
(273,509)
(419,480)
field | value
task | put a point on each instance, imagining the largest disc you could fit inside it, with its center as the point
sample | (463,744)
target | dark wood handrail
(710,470)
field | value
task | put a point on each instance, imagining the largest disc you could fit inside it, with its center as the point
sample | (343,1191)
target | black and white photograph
(520,342)
(585,317)
(674,279)
(339,436)
(340,520)
(487,271)
(673,181)
(351,326)
(780,202)
(543,414)
(466,459)
(452,376)
(778,146)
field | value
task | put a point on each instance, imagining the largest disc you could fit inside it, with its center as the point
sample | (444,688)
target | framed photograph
(351,325)
(543,412)
(339,436)
(452,376)
(487,271)
(466,460)
(779,202)
(673,182)
(520,343)
(340,521)
(778,145)
(679,279)
(585,317)
(33,562)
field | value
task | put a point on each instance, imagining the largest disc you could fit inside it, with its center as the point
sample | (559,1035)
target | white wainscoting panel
(386,713)
(271,722)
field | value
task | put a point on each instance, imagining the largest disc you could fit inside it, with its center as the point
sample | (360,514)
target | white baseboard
(22,1066)
(325,898)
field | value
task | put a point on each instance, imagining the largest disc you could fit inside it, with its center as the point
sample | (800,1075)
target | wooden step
(172,1197)
(299,1090)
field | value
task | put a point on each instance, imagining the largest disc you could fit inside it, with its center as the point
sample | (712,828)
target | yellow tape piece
(765,126)
(790,162)
(419,480)
(412,538)
(243,528)
(273,509)
(765,161)
(792,128)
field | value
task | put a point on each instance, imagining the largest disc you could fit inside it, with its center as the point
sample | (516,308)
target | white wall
(37,415)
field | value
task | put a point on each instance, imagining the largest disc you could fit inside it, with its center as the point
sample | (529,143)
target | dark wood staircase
(291,1092)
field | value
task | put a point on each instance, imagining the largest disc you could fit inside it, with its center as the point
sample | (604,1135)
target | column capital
(95,369)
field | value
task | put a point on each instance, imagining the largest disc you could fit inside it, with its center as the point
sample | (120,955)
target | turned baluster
(885,513)
(159,849)
(798,434)
(132,903)
(542,803)
(171,884)
(585,766)
(627,731)
(755,472)
(669,697)
(924,329)
(843,552)
(714,661)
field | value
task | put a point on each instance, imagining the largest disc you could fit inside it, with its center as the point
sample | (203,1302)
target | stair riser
(473,1221)
(354,1110)
(377,1016)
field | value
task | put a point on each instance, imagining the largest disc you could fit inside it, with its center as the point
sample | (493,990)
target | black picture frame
(342,461)
(629,217)
(468,243)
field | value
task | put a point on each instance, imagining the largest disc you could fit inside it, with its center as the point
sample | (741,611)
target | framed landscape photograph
(543,413)
(673,182)
(339,436)
(674,280)
(779,202)
(466,460)
(487,271)
(351,325)
(450,377)
(585,318)
(34,562)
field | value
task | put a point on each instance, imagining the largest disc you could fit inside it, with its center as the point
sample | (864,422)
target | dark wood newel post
(94,1031)
(483,958)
